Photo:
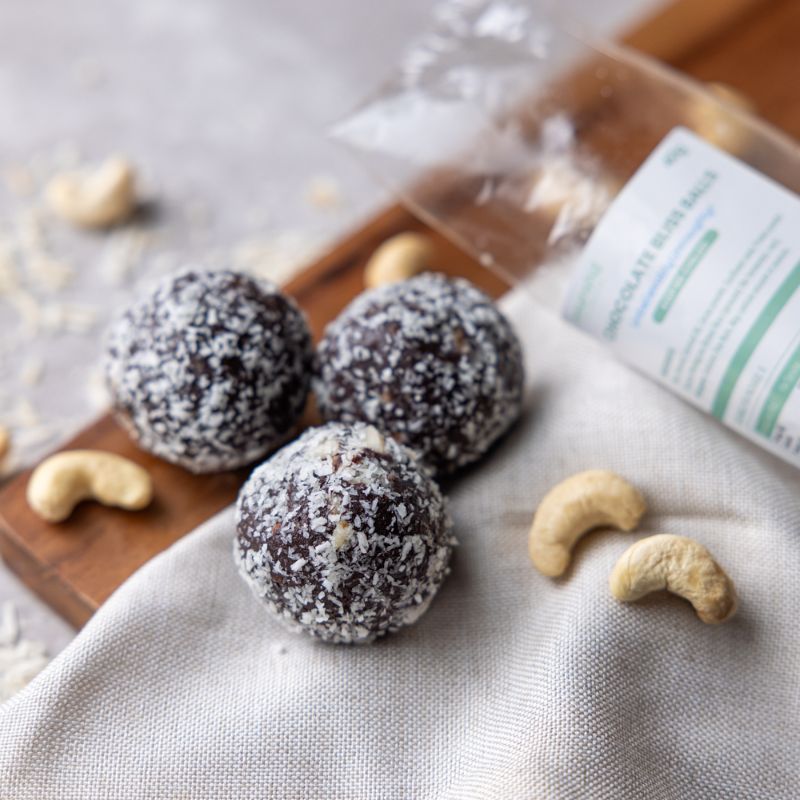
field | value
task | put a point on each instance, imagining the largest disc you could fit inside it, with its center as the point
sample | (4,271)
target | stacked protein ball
(343,533)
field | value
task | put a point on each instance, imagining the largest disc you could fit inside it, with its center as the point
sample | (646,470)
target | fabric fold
(512,685)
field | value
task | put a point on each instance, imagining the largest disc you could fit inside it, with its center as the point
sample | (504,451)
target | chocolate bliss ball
(210,370)
(431,361)
(342,535)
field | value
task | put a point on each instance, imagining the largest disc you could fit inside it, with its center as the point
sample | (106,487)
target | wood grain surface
(76,565)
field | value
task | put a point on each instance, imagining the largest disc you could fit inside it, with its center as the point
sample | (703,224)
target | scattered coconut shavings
(21,660)
(97,394)
(35,435)
(276,257)
(323,192)
(66,155)
(21,418)
(122,254)
(19,180)
(165,263)
(9,277)
(28,309)
(9,624)
(49,273)
(23,414)
(30,230)
(32,371)
(41,278)
(197,214)
(68,318)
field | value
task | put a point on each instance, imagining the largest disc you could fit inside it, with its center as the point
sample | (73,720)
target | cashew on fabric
(576,505)
(681,566)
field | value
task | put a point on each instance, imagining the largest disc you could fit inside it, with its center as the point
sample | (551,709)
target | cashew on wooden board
(63,480)
(679,565)
(576,505)
(97,199)
(399,258)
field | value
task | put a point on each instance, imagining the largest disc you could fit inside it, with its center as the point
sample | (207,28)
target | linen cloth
(513,685)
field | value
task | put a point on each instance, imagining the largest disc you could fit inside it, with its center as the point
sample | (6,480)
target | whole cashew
(679,565)
(398,259)
(573,507)
(711,118)
(99,199)
(61,481)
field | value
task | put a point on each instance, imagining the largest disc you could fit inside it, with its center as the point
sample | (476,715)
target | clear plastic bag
(513,134)
(585,172)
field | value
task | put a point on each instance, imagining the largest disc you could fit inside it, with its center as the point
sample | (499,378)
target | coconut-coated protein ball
(210,370)
(342,535)
(431,360)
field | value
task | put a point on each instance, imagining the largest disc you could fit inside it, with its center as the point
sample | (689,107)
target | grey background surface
(223,107)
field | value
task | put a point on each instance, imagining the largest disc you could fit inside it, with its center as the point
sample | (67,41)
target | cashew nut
(679,565)
(98,199)
(61,481)
(711,118)
(569,197)
(573,507)
(397,259)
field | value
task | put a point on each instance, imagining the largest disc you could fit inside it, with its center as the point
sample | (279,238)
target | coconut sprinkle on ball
(210,370)
(342,535)
(431,361)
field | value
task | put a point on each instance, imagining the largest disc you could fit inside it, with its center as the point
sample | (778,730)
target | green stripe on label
(751,341)
(779,394)
(683,274)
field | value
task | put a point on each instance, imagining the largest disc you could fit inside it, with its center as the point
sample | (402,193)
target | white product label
(693,277)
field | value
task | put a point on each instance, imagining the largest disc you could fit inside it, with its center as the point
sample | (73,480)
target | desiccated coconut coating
(211,370)
(431,361)
(342,535)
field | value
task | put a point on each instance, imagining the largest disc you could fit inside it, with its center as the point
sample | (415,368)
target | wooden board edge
(698,21)
(46,584)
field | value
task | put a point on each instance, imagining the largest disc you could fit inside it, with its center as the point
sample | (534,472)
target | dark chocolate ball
(342,535)
(210,370)
(431,360)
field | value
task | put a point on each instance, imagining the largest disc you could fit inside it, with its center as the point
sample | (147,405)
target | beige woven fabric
(512,686)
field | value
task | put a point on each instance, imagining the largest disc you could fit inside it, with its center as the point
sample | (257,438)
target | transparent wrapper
(512,134)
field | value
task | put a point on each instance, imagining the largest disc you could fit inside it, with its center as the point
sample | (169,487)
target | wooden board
(75,565)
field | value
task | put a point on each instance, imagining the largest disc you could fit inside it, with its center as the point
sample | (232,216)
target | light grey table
(223,105)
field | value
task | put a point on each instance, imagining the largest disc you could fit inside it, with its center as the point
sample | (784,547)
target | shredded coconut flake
(211,369)
(323,192)
(350,587)
(20,659)
(431,361)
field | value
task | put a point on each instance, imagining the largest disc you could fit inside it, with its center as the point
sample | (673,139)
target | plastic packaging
(515,136)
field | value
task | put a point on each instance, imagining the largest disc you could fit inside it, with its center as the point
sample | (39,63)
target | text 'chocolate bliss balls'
(210,370)
(431,360)
(342,535)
